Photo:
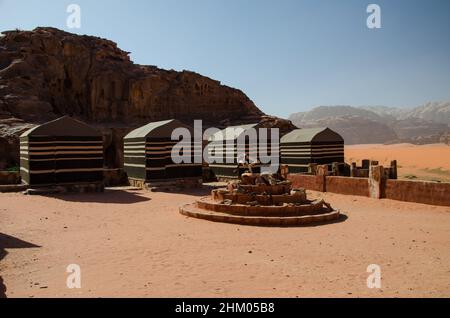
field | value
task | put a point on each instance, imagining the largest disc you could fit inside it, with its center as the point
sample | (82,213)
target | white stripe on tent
(60,170)
(61,153)
(155,169)
(62,148)
(292,165)
(60,159)
(134,165)
(61,142)
(173,166)
(309,157)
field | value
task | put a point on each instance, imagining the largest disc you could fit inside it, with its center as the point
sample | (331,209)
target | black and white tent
(148,151)
(62,151)
(301,147)
(224,144)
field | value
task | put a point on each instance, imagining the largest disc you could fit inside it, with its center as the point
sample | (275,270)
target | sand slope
(132,243)
(426,162)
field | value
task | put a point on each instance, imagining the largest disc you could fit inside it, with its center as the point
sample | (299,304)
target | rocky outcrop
(285,126)
(47,73)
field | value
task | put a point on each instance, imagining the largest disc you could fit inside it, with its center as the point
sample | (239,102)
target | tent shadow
(199,192)
(7,241)
(2,289)
(109,196)
(342,218)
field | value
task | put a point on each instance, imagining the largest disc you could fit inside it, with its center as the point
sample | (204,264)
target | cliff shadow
(10,242)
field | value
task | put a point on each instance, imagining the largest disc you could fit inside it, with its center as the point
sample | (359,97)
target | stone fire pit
(261,201)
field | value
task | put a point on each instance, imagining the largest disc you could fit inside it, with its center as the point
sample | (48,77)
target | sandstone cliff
(47,73)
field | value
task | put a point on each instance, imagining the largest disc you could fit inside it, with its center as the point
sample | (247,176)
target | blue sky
(286,55)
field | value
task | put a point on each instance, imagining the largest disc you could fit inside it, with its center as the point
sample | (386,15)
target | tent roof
(63,126)
(321,134)
(158,129)
(231,133)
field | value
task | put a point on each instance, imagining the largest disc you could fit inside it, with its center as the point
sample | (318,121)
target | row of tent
(67,151)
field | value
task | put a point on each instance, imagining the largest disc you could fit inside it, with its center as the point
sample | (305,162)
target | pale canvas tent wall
(62,151)
(225,144)
(148,151)
(301,147)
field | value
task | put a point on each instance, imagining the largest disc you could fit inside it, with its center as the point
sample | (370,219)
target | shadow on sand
(114,196)
(200,192)
(204,190)
(342,218)
(7,241)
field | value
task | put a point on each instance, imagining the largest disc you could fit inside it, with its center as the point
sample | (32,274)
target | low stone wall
(418,191)
(309,182)
(349,186)
(7,177)
(410,191)
(136,183)
(167,184)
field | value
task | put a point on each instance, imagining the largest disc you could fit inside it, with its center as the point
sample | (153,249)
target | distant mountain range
(429,123)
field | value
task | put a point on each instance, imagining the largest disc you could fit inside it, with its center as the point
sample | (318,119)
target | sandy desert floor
(425,162)
(134,243)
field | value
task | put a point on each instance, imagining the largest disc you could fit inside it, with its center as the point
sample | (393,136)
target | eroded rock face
(47,73)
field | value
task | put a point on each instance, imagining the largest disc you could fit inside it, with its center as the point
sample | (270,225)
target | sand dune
(426,162)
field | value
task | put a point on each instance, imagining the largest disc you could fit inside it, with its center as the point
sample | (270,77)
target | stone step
(312,208)
(261,199)
(191,210)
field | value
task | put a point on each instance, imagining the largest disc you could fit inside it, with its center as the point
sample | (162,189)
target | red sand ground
(426,162)
(132,243)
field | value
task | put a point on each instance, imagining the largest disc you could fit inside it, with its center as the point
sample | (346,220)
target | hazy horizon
(404,107)
(288,56)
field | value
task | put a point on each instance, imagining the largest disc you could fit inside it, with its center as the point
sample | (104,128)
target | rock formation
(354,129)
(378,124)
(47,73)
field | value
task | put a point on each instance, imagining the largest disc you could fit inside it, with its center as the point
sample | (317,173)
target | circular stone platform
(258,217)
(261,205)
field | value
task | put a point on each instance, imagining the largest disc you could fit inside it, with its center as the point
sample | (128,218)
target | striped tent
(63,151)
(302,147)
(148,151)
(225,144)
